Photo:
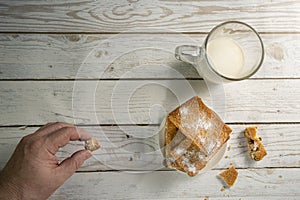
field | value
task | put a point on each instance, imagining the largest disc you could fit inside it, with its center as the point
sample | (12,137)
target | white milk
(226,56)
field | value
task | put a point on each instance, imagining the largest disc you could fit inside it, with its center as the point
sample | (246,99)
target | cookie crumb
(229,148)
(226,195)
(222,189)
(226,157)
(22,128)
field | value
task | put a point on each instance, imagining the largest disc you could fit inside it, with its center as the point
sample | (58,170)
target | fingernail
(83,134)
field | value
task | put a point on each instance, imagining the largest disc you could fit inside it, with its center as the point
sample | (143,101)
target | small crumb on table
(226,195)
(229,148)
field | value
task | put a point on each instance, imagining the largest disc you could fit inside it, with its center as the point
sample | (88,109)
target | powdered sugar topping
(180,151)
(184,111)
(192,169)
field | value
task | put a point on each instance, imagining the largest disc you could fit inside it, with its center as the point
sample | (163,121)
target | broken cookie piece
(256,149)
(229,176)
(91,144)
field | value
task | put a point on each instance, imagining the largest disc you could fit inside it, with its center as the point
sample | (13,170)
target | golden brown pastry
(91,144)
(256,149)
(229,176)
(194,133)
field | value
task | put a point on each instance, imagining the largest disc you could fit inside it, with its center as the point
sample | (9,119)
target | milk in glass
(226,56)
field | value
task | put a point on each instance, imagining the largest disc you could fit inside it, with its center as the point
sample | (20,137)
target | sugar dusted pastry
(189,157)
(229,176)
(256,149)
(194,133)
(91,144)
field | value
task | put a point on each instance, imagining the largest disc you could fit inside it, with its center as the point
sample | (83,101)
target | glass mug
(232,51)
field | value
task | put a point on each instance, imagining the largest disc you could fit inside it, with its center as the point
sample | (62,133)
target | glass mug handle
(188,53)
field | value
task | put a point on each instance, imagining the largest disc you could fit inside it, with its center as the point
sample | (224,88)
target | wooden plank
(35,56)
(251,184)
(143,101)
(131,148)
(116,16)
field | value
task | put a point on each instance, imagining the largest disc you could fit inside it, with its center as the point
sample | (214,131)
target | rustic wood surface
(281,141)
(115,16)
(258,183)
(123,52)
(118,102)
(31,56)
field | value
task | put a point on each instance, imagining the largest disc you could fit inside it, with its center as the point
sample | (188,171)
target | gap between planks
(132,33)
(171,170)
(131,79)
(107,125)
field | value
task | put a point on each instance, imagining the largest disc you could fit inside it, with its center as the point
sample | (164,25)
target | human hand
(33,171)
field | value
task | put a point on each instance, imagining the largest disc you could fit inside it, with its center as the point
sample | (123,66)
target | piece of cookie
(229,176)
(91,144)
(256,149)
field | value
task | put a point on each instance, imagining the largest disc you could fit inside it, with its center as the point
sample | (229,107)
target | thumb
(71,164)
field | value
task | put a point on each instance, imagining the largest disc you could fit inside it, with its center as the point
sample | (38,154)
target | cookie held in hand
(91,144)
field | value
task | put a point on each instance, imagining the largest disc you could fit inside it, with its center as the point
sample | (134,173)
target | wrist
(9,190)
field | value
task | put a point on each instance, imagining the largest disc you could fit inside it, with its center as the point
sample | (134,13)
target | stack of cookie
(194,134)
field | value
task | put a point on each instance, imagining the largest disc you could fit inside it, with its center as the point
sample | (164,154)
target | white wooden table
(44,43)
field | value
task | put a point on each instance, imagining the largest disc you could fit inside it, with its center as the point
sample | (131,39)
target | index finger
(62,136)
(51,127)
